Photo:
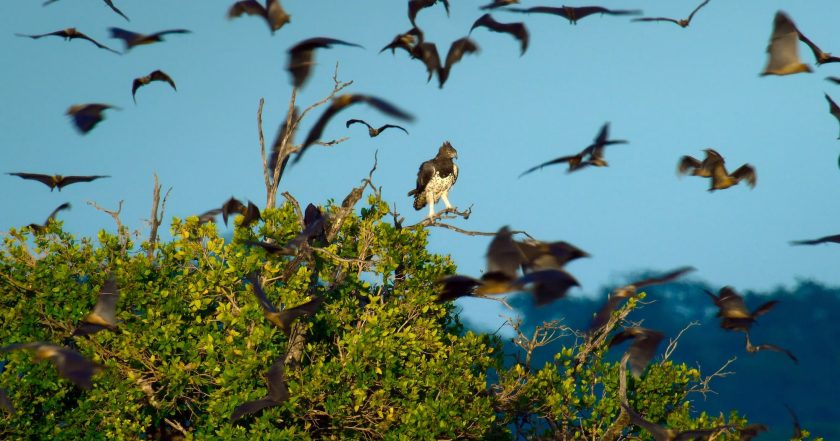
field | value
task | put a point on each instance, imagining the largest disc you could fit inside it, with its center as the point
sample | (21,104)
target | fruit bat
(682,23)
(273,13)
(69,363)
(302,55)
(517,30)
(57,181)
(132,39)
(87,116)
(373,131)
(104,315)
(733,311)
(37,229)
(157,75)
(595,151)
(643,348)
(783,50)
(283,319)
(277,392)
(70,34)
(574,14)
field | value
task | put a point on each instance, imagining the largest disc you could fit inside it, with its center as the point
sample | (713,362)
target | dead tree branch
(122,231)
(156,219)
(703,387)
(672,344)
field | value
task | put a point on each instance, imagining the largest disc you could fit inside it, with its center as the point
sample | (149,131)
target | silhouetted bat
(594,150)
(547,255)
(209,215)
(250,215)
(107,2)
(271,248)
(6,403)
(752,349)
(414,6)
(104,315)
(547,285)
(659,433)
(460,285)
(498,4)
(797,429)
(37,229)
(69,34)
(833,108)
(405,41)
(301,57)
(427,53)
(822,57)
(157,75)
(283,319)
(231,206)
(503,254)
(132,39)
(277,392)
(682,23)
(87,116)
(747,433)
(457,50)
(825,239)
(56,180)
(70,364)
(272,12)
(783,50)
(517,30)
(575,14)
(713,166)
(834,80)
(341,102)
(627,291)
(733,312)
(372,131)
(278,142)
(643,348)
(314,223)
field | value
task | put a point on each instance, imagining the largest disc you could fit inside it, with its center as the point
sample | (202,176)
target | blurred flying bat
(427,53)
(574,14)
(547,255)
(107,2)
(659,433)
(314,224)
(825,239)
(302,55)
(69,34)
(682,23)
(6,403)
(643,348)
(752,349)
(37,229)
(271,248)
(517,30)
(822,57)
(547,285)
(209,215)
(277,392)
(273,13)
(250,214)
(104,315)
(157,75)
(503,254)
(733,311)
(627,291)
(414,6)
(835,80)
(87,116)
(594,150)
(132,39)
(341,102)
(694,167)
(70,364)
(283,134)
(747,433)
(405,41)
(283,319)
(56,180)
(833,108)
(498,4)
(797,429)
(457,50)
(783,50)
(231,206)
(372,131)
(713,166)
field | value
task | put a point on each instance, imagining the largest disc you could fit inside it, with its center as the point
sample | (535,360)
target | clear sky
(669,91)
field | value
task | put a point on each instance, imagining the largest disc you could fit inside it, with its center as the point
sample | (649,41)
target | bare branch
(262,144)
(331,143)
(156,219)
(122,231)
(337,87)
(703,387)
(296,206)
(448,213)
(672,344)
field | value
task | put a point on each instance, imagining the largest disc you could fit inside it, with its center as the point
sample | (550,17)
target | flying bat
(682,23)
(341,102)
(547,255)
(87,116)
(783,50)
(694,167)
(822,57)
(277,392)
(835,80)
(271,248)
(157,75)
(69,34)
(747,433)
(104,314)
(825,239)
(457,50)
(594,150)
(627,291)
(37,229)
(250,214)
(643,348)
(833,108)
(302,55)
(547,285)
(498,4)
(797,429)
(752,349)
(733,311)
(70,364)
(414,6)
(132,39)
(283,319)
(273,13)
(56,180)
(517,30)
(405,41)
(231,206)
(713,166)
(372,131)
(107,2)
(209,215)
(574,14)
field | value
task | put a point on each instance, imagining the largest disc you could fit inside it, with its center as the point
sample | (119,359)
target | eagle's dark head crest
(447,151)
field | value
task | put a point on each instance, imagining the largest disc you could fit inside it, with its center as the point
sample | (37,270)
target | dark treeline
(805,321)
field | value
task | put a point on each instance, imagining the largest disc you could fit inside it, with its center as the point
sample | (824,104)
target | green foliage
(380,360)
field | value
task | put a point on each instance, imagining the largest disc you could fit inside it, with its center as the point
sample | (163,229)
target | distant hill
(806,321)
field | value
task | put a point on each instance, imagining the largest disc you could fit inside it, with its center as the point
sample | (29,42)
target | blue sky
(669,91)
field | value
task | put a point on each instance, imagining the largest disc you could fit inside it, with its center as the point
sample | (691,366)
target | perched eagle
(435,178)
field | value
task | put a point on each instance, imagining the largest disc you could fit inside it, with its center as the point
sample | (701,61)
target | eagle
(434,179)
